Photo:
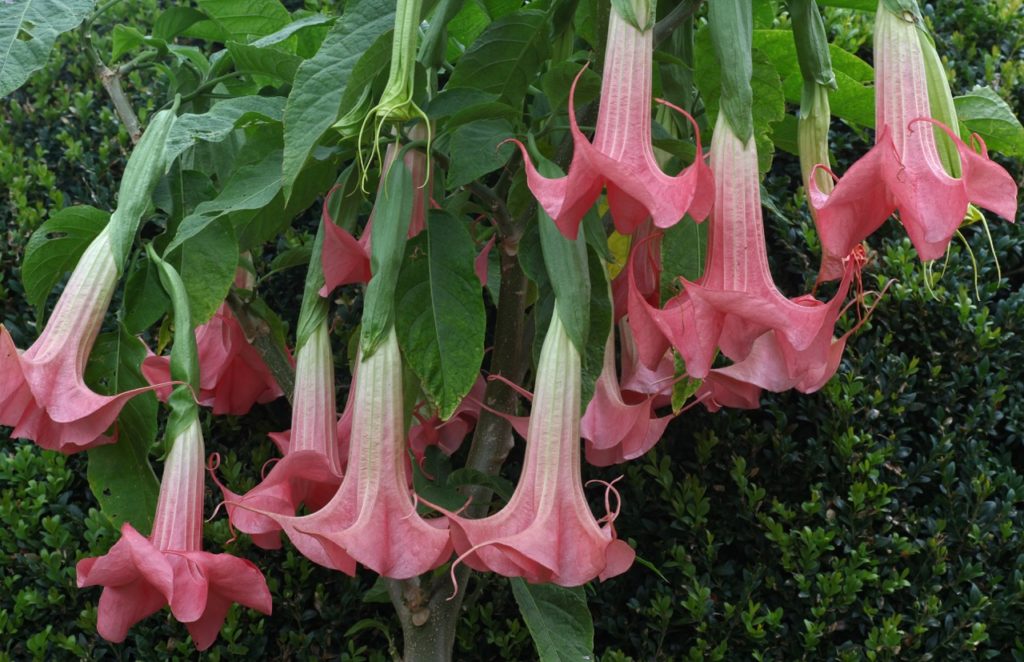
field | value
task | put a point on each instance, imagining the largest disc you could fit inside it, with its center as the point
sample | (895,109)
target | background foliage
(878,519)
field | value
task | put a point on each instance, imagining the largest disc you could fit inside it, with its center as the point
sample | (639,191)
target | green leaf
(506,57)
(455,100)
(392,213)
(207,262)
(287,31)
(28,30)
(440,316)
(220,121)
(315,100)
(475,16)
(55,248)
(314,180)
(250,187)
(269,62)
(684,250)
(241,20)
(126,38)
(475,152)
(984,112)
(144,298)
(172,22)
(120,475)
(558,80)
(854,97)
(558,619)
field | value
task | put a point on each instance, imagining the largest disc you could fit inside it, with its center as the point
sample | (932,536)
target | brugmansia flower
(546,532)
(140,575)
(621,157)
(43,395)
(310,472)
(372,518)
(736,302)
(904,171)
(346,260)
(233,375)
(619,424)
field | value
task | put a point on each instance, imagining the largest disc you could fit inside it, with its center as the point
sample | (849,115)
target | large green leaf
(558,619)
(315,100)
(217,123)
(505,59)
(301,25)
(440,316)
(266,62)
(28,29)
(206,262)
(476,15)
(984,112)
(474,150)
(854,97)
(56,247)
(120,475)
(250,187)
(242,20)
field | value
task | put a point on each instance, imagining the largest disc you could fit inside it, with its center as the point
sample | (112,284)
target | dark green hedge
(878,519)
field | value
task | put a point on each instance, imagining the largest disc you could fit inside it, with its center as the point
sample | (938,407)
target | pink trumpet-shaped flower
(372,518)
(546,532)
(346,260)
(903,171)
(233,375)
(43,395)
(311,471)
(736,301)
(140,575)
(618,425)
(621,157)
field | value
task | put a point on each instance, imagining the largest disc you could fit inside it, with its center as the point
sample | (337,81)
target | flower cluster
(343,491)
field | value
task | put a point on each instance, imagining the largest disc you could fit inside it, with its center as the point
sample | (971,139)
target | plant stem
(675,18)
(429,615)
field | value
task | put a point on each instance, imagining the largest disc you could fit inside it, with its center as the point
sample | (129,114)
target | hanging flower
(43,395)
(311,470)
(372,518)
(736,302)
(234,376)
(904,171)
(346,260)
(619,425)
(621,158)
(546,532)
(140,575)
